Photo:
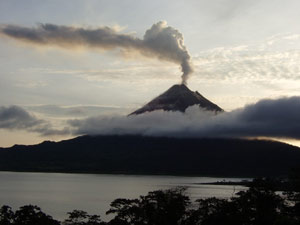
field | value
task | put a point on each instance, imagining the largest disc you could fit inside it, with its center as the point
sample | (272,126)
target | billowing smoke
(167,43)
(160,41)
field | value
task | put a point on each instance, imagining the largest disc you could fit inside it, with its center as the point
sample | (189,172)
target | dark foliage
(6,215)
(26,215)
(158,207)
(79,217)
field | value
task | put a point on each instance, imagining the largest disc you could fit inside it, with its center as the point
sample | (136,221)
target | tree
(6,215)
(162,207)
(293,195)
(79,217)
(212,211)
(259,206)
(32,215)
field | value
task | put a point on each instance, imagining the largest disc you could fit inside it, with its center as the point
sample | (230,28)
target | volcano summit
(178,98)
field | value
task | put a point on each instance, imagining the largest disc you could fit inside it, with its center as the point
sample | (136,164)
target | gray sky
(242,51)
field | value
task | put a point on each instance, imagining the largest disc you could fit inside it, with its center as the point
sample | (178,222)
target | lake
(59,193)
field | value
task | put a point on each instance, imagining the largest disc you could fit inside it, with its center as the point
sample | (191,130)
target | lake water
(59,193)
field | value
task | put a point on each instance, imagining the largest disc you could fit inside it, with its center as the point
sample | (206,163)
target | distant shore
(137,174)
(276,185)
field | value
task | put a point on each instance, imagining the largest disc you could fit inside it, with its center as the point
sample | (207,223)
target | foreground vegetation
(259,205)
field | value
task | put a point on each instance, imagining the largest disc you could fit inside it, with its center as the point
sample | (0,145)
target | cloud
(277,118)
(56,111)
(268,118)
(149,71)
(160,41)
(275,58)
(17,118)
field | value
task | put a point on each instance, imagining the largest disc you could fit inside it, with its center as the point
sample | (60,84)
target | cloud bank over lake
(277,118)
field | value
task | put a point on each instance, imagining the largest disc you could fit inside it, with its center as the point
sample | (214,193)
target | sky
(241,53)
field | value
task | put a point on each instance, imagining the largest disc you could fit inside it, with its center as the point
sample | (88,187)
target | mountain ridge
(133,154)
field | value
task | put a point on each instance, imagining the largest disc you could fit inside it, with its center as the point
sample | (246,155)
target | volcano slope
(178,98)
(154,155)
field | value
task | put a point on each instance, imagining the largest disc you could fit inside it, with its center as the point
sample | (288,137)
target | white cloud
(248,64)
(268,118)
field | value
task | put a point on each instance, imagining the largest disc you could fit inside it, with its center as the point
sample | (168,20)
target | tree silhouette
(162,207)
(259,205)
(6,215)
(212,211)
(293,195)
(32,215)
(79,217)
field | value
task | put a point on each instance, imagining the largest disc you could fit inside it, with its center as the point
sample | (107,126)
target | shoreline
(129,174)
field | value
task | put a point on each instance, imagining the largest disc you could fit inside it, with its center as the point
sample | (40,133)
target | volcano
(178,98)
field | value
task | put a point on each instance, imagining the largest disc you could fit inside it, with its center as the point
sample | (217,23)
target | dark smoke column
(160,41)
(167,43)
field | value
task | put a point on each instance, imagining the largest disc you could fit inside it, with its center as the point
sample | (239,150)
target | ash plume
(160,41)
(168,43)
